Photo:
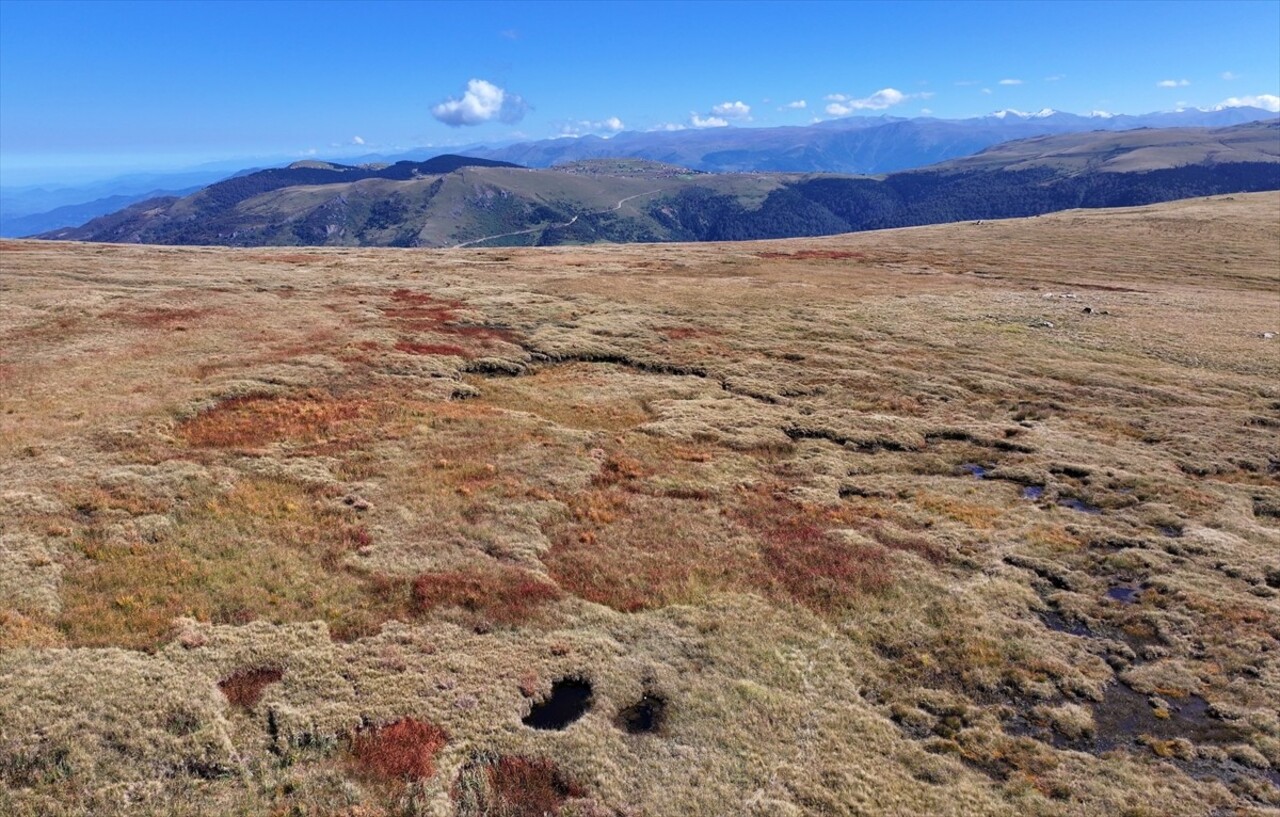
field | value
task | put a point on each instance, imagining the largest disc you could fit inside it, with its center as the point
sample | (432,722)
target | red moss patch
(402,751)
(244,688)
(501,593)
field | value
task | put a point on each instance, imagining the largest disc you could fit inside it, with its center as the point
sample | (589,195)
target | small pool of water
(1125,714)
(1032,491)
(569,700)
(1080,505)
(1061,624)
(1125,594)
(975,470)
(644,716)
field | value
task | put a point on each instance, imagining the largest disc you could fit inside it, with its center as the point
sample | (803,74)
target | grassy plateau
(970,519)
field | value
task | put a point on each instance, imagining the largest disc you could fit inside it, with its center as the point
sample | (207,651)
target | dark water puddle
(1076,504)
(1170,531)
(569,700)
(1061,624)
(975,470)
(1032,491)
(644,716)
(1125,594)
(1125,714)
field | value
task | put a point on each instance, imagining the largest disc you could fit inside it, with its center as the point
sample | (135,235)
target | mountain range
(859,144)
(460,201)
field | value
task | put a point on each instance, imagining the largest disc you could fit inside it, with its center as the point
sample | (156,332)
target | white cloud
(708,122)
(841,105)
(986,90)
(965,82)
(731,110)
(482,102)
(611,125)
(1010,82)
(1268,102)
(667,127)
(1055,78)
(798,105)
(357,140)
(926,111)
(1173,83)
(1229,75)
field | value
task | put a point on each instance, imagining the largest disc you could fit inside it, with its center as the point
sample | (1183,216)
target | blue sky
(101,87)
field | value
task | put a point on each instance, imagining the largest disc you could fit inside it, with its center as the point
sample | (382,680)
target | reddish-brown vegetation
(802,557)
(514,786)
(618,468)
(422,312)
(686,332)
(500,593)
(402,751)
(411,348)
(161,317)
(245,687)
(255,421)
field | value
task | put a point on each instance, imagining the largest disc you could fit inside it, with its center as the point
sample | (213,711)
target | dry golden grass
(957,520)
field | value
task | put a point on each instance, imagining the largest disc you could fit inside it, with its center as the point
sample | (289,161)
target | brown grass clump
(399,752)
(619,467)
(256,421)
(500,593)
(513,786)
(244,688)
